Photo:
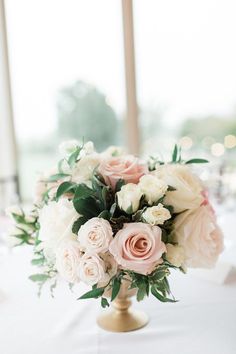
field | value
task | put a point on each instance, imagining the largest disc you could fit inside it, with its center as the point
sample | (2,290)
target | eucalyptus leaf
(104,302)
(142,291)
(196,161)
(38,261)
(39,277)
(159,296)
(57,176)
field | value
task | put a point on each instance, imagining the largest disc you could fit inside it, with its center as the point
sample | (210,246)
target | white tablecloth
(203,321)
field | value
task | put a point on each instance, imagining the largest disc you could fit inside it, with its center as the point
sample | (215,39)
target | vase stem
(122,318)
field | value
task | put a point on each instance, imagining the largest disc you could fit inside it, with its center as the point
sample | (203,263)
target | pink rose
(206,201)
(127,167)
(200,236)
(138,247)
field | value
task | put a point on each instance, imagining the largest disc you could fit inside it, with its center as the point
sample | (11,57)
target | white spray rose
(68,256)
(95,235)
(156,215)
(92,269)
(188,193)
(129,197)
(83,171)
(87,149)
(199,235)
(175,254)
(56,220)
(153,188)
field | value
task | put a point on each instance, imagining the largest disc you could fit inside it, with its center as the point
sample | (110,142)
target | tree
(83,112)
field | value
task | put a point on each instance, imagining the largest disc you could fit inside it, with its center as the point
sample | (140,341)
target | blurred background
(142,74)
(70,64)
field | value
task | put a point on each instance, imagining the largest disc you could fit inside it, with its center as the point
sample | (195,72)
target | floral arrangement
(100,218)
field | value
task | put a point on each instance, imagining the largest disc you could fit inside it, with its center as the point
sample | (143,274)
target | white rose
(95,235)
(153,188)
(83,171)
(87,149)
(129,197)
(113,151)
(175,254)
(188,187)
(68,257)
(56,220)
(199,235)
(92,269)
(156,215)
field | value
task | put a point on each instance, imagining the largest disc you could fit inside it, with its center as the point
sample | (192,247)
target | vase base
(118,321)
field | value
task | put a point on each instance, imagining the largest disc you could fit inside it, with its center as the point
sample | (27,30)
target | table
(202,322)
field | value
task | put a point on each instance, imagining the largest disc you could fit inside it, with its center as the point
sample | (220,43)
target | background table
(203,321)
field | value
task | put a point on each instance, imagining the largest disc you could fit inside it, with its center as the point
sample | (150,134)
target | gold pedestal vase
(122,318)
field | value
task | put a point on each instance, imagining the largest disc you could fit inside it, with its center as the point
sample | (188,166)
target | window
(67,77)
(186,75)
(68,80)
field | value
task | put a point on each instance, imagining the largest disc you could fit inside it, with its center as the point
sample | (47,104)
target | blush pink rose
(206,201)
(127,167)
(138,247)
(200,236)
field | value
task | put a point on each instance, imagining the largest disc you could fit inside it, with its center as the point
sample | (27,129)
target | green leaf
(142,291)
(38,261)
(159,296)
(92,294)
(119,184)
(86,207)
(171,189)
(115,288)
(39,277)
(196,161)
(83,191)
(104,214)
(129,210)
(175,153)
(74,156)
(60,165)
(167,286)
(104,302)
(57,176)
(113,209)
(159,275)
(53,287)
(65,187)
(78,223)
